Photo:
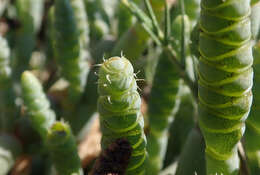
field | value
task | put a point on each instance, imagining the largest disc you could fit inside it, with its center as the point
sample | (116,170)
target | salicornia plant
(8,114)
(162,107)
(252,131)
(36,104)
(69,45)
(119,106)
(29,13)
(177,101)
(63,149)
(225,80)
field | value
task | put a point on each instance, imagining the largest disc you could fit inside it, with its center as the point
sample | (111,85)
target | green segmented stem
(98,19)
(83,27)
(36,12)
(252,135)
(67,45)
(7,96)
(37,104)
(119,107)
(10,148)
(255,16)
(164,100)
(181,126)
(192,158)
(82,21)
(163,104)
(63,149)
(29,13)
(225,80)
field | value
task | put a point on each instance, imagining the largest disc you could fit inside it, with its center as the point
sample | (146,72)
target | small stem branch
(152,17)
(150,24)
(242,156)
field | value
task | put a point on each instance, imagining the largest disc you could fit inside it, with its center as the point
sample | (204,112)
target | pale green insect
(119,107)
(225,80)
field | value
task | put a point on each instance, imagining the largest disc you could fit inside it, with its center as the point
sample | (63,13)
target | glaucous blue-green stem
(225,80)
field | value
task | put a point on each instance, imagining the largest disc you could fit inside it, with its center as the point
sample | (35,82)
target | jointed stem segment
(225,80)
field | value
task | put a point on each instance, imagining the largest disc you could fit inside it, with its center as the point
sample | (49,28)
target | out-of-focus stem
(7,95)
(10,148)
(63,149)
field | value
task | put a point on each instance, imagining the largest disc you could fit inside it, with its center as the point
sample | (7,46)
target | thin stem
(183,37)
(167,27)
(242,156)
(51,80)
(146,23)
(152,17)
